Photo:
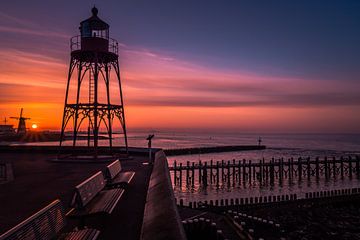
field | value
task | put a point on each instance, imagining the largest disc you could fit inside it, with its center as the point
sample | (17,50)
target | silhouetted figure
(149,138)
(259,141)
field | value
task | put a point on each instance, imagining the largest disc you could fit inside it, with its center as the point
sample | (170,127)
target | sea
(277,146)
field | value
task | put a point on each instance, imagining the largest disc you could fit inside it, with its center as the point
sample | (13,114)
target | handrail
(75,44)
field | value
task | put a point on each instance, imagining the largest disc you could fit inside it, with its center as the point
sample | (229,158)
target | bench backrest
(45,224)
(113,169)
(88,189)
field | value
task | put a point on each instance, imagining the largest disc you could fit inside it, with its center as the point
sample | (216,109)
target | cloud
(155,78)
(153,81)
(11,24)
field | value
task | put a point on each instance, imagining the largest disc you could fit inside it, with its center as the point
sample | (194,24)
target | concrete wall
(161,218)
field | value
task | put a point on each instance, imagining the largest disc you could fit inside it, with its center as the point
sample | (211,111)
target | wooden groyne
(234,172)
(201,150)
(328,195)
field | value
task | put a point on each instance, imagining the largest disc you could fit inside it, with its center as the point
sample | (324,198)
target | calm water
(278,145)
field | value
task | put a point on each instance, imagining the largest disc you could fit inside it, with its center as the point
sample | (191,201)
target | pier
(217,149)
(237,172)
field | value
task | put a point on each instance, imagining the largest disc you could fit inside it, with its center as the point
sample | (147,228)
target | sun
(34,126)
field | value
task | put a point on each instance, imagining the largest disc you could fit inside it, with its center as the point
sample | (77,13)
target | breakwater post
(232,173)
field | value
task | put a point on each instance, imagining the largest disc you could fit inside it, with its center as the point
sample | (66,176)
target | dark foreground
(38,181)
(334,218)
(147,209)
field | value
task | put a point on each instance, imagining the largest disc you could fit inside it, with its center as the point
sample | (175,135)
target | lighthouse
(94,106)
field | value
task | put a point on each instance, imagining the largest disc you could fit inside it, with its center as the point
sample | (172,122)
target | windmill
(22,126)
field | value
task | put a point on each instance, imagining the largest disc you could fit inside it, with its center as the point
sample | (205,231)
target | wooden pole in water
(308,168)
(175,173)
(200,165)
(357,166)
(222,170)
(187,173)
(244,171)
(217,173)
(326,168)
(193,175)
(334,167)
(272,172)
(234,173)
(228,174)
(239,172)
(350,167)
(266,171)
(299,168)
(317,170)
(249,171)
(211,171)
(260,171)
(205,175)
(289,170)
(292,167)
(281,169)
(342,167)
(180,183)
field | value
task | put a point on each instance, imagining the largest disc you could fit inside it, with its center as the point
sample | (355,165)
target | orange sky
(165,91)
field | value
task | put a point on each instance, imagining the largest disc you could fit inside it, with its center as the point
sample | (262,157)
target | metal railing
(75,44)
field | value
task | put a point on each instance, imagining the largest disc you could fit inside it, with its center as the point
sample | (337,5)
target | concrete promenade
(39,181)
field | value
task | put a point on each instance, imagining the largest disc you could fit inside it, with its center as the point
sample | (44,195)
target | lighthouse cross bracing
(94,56)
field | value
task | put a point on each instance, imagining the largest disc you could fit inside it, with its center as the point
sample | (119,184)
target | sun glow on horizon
(34,126)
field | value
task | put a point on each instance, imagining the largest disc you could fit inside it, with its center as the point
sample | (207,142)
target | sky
(236,66)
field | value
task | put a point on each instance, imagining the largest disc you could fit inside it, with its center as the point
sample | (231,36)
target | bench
(91,198)
(116,178)
(47,224)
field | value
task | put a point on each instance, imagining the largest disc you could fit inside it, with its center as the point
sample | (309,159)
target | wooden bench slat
(86,234)
(121,179)
(115,177)
(46,225)
(88,189)
(105,202)
(90,198)
(114,168)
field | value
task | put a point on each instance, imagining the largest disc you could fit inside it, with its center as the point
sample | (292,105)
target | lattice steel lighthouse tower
(92,110)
